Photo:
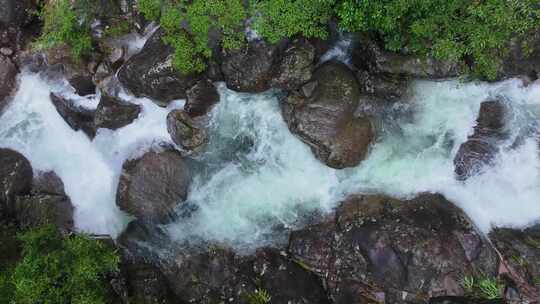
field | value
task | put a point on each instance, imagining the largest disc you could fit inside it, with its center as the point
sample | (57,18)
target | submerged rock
(251,69)
(152,186)
(322,115)
(8,74)
(15,179)
(77,118)
(113,113)
(184,132)
(376,247)
(201,98)
(151,73)
(481,147)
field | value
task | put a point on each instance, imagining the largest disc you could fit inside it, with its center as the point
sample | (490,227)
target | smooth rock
(113,113)
(201,98)
(184,131)
(77,118)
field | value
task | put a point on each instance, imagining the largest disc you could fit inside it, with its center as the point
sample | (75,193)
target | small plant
(467,282)
(117,28)
(259,296)
(533,242)
(490,288)
(537,281)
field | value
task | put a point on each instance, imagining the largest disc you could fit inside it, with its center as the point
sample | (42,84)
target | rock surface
(40,209)
(15,12)
(8,73)
(113,113)
(77,118)
(296,66)
(201,98)
(83,85)
(150,73)
(184,131)
(481,147)
(251,69)
(152,186)
(520,63)
(379,248)
(15,179)
(322,115)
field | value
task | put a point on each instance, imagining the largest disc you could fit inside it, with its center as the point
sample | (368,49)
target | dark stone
(151,73)
(383,86)
(521,63)
(184,131)
(113,113)
(201,98)
(40,209)
(325,120)
(15,13)
(296,66)
(8,74)
(394,251)
(152,186)
(15,179)
(481,147)
(251,69)
(77,118)
(83,85)
(48,183)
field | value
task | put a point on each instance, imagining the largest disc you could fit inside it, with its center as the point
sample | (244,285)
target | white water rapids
(256,176)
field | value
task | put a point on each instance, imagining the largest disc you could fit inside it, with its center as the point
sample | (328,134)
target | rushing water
(256,178)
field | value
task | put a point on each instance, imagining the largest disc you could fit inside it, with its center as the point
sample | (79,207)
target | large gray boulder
(201,98)
(151,73)
(78,118)
(113,113)
(8,74)
(322,115)
(393,251)
(184,131)
(296,66)
(152,186)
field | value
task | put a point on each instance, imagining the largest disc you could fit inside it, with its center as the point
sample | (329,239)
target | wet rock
(16,13)
(152,186)
(521,63)
(83,85)
(325,120)
(251,69)
(150,73)
(481,147)
(15,179)
(286,281)
(520,250)
(184,131)
(48,183)
(8,74)
(40,209)
(78,118)
(383,86)
(296,66)
(113,113)
(377,247)
(201,98)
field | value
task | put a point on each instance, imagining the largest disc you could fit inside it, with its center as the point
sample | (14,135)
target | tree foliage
(59,270)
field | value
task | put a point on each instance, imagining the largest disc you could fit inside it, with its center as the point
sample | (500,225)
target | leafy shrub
(151,9)
(65,25)
(445,29)
(276,19)
(59,270)
(483,287)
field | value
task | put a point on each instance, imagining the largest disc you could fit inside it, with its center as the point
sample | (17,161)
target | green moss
(118,28)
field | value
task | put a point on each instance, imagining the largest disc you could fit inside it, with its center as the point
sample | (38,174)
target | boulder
(8,74)
(48,183)
(15,179)
(296,66)
(184,131)
(376,248)
(322,115)
(201,98)
(77,118)
(40,209)
(152,186)
(16,13)
(520,62)
(383,86)
(113,113)
(251,69)
(83,85)
(520,251)
(151,73)
(482,146)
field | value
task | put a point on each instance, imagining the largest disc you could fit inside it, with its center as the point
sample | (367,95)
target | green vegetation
(483,287)
(445,29)
(259,296)
(276,19)
(117,28)
(64,25)
(57,269)
(187,25)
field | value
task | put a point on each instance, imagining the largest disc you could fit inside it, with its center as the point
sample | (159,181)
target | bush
(59,270)
(276,19)
(449,30)
(65,25)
